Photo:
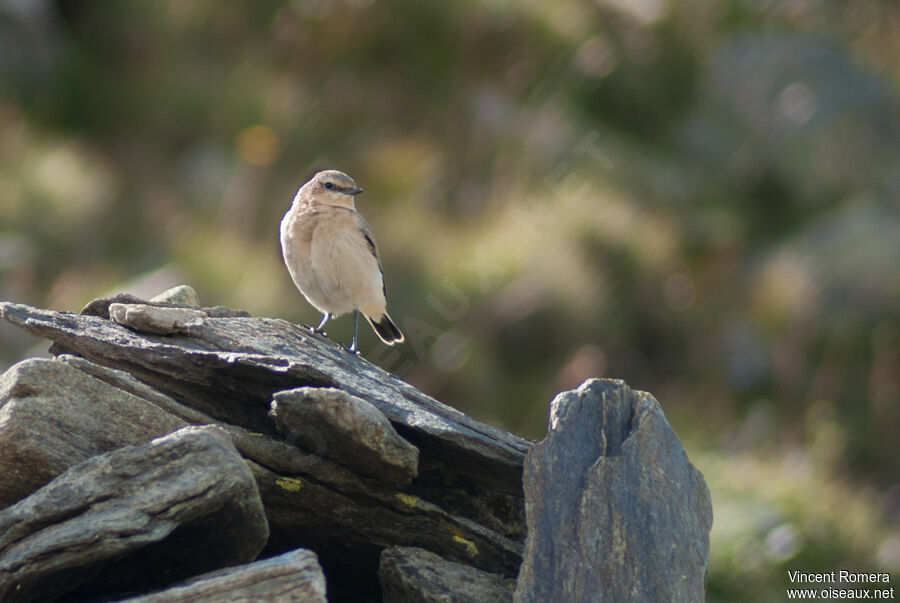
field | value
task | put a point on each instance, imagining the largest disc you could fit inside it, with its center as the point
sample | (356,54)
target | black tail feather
(386,330)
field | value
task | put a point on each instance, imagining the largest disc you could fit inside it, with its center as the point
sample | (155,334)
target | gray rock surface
(329,443)
(314,502)
(615,510)
(132,519)
(53,416)
(292,576)
(156,320)
(414,575)
(346,429)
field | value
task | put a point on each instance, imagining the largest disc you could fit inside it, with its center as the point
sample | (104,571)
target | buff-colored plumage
(330,252)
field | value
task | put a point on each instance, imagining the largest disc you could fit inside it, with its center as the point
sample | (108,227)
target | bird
(330,252)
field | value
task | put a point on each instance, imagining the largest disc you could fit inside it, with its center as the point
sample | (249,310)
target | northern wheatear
(330,252)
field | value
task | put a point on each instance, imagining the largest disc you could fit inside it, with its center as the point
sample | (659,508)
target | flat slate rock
(230,367)
(131,520)
(292,576)
(414,575)
(145,318)
(53,416)
(615,510)
(346,429)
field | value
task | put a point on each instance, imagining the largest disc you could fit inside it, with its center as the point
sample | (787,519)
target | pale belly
(327,270)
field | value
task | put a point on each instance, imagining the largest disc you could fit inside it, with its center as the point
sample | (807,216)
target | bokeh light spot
(797,103)
(258,145)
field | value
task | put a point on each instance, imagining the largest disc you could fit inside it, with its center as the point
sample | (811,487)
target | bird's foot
(316,331)
(352,349)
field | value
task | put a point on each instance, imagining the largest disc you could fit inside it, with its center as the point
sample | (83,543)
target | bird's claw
(352,350)
(316,331)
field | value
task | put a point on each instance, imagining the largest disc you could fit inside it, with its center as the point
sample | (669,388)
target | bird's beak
(353,191)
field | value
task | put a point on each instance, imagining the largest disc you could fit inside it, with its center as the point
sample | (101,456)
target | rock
(125,382)
(614,506)
(53,416)
(230,368)
(414,575)
(351,521)
(155,320)
(100,306)
(311,501)
(224,312)
(134,519)
(182,295)
(293,576)
(346,429)
(615,510)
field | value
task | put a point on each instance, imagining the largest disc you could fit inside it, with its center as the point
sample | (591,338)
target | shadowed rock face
(109,491)
(411,575)
(615,510)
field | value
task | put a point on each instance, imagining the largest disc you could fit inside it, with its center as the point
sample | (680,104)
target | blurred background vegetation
(698,197)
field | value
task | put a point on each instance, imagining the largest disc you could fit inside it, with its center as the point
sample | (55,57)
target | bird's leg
(321,326)
(354,348)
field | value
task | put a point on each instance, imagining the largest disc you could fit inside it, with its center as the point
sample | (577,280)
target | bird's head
(332,187)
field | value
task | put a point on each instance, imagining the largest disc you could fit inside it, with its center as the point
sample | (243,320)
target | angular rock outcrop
(313,502)
(307,446)
(292,576)
(615,510)
(226,370)
(414,575)
(229,367)
(132,519)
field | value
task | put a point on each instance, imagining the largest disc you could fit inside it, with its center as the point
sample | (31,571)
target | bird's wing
(366,231)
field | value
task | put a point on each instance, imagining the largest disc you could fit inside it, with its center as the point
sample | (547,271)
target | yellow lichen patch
(471,549)
(289,483)
(407,499)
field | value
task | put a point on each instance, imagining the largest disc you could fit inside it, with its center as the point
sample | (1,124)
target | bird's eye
(329,185)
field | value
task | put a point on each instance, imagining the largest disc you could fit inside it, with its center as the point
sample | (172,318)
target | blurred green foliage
(700,198)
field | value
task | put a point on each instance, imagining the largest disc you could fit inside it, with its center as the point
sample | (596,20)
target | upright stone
(615,510)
